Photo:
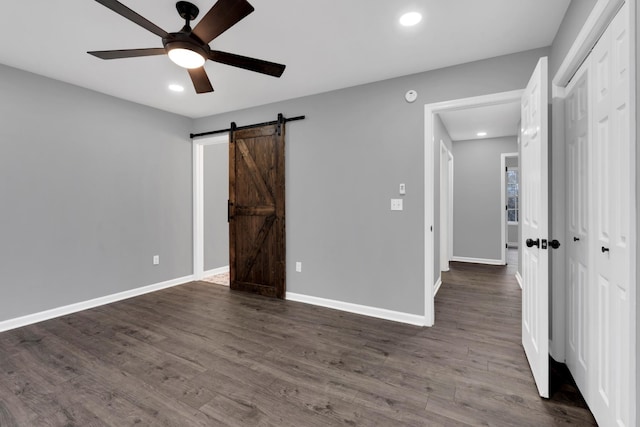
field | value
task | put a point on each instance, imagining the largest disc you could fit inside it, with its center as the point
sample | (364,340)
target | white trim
(215,271)
(503,203)
(478,260)
(437,286)
(429,203)
(519,279)
(380,313)
(198,200)
(446,214)
(601,15)
(85,305)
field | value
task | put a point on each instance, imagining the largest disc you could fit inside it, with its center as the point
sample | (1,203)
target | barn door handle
(229,205)
(531,243)
(603,249)
(554,244)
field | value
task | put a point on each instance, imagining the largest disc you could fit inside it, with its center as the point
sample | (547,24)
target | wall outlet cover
(396,204)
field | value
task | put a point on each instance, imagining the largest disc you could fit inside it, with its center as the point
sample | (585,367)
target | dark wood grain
(202,355)
(256,226)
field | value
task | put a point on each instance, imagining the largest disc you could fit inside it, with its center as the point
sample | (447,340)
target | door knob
(604,249)
(531,243)
(575,239)
(554,244)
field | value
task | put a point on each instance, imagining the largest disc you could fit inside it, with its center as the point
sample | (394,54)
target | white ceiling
(326,45)
(496,120)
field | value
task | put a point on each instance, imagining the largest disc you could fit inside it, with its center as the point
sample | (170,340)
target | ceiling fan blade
(251,64)
(128,53)
(200,80)
(222,16)
(124,11)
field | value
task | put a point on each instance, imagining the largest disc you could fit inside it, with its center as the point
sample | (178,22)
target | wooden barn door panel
(256,210)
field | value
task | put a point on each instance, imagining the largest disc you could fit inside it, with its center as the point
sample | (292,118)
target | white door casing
(445,204)
(535,226)
(578,230)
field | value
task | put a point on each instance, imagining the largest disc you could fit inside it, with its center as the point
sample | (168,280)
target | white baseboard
(85,305)
(381,313)
(519,279)
(436,287)
(478,260)
(215,271)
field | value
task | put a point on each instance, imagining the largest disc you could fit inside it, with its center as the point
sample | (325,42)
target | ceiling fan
(189,48)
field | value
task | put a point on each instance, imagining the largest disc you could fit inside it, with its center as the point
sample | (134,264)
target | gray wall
(571,25)
(477,207)
(344,163)
(91,188)
(216,194)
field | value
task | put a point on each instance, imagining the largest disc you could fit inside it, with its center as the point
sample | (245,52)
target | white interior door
(535,225)
(578,228)
(611,400)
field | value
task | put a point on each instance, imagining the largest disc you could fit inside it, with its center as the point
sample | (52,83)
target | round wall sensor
(411,95)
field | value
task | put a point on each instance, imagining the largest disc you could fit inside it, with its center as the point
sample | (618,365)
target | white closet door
(577,226)
(535,226)
(611,398)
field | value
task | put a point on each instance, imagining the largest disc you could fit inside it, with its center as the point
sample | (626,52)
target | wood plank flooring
(201,355)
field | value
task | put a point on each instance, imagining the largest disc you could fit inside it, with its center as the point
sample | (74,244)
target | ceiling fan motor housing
(186,41)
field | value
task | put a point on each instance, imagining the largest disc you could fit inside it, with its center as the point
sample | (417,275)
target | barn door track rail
(279,122)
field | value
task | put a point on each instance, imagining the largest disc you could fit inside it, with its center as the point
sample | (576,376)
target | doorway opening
(447,236)
(510,192)
(210,195)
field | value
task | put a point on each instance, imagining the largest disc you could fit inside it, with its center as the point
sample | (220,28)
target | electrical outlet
(396,204)
(156,259)
(299,267)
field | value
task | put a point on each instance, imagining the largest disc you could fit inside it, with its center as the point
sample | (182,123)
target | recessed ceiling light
(481,134)
(176,88)
(410,19)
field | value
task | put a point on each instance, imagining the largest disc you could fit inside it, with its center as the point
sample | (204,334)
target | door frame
(198,205)
(446,212)
(503,202)
(430,110)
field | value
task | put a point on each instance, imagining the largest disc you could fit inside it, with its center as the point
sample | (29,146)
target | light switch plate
(396,204)
(403,189)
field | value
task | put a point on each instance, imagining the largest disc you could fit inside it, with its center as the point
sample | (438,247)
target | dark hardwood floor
(201,355)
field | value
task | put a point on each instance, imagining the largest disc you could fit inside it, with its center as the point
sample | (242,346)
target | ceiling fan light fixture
(186,58)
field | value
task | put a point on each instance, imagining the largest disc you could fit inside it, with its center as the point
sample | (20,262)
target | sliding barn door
(256,210)
(535,227)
